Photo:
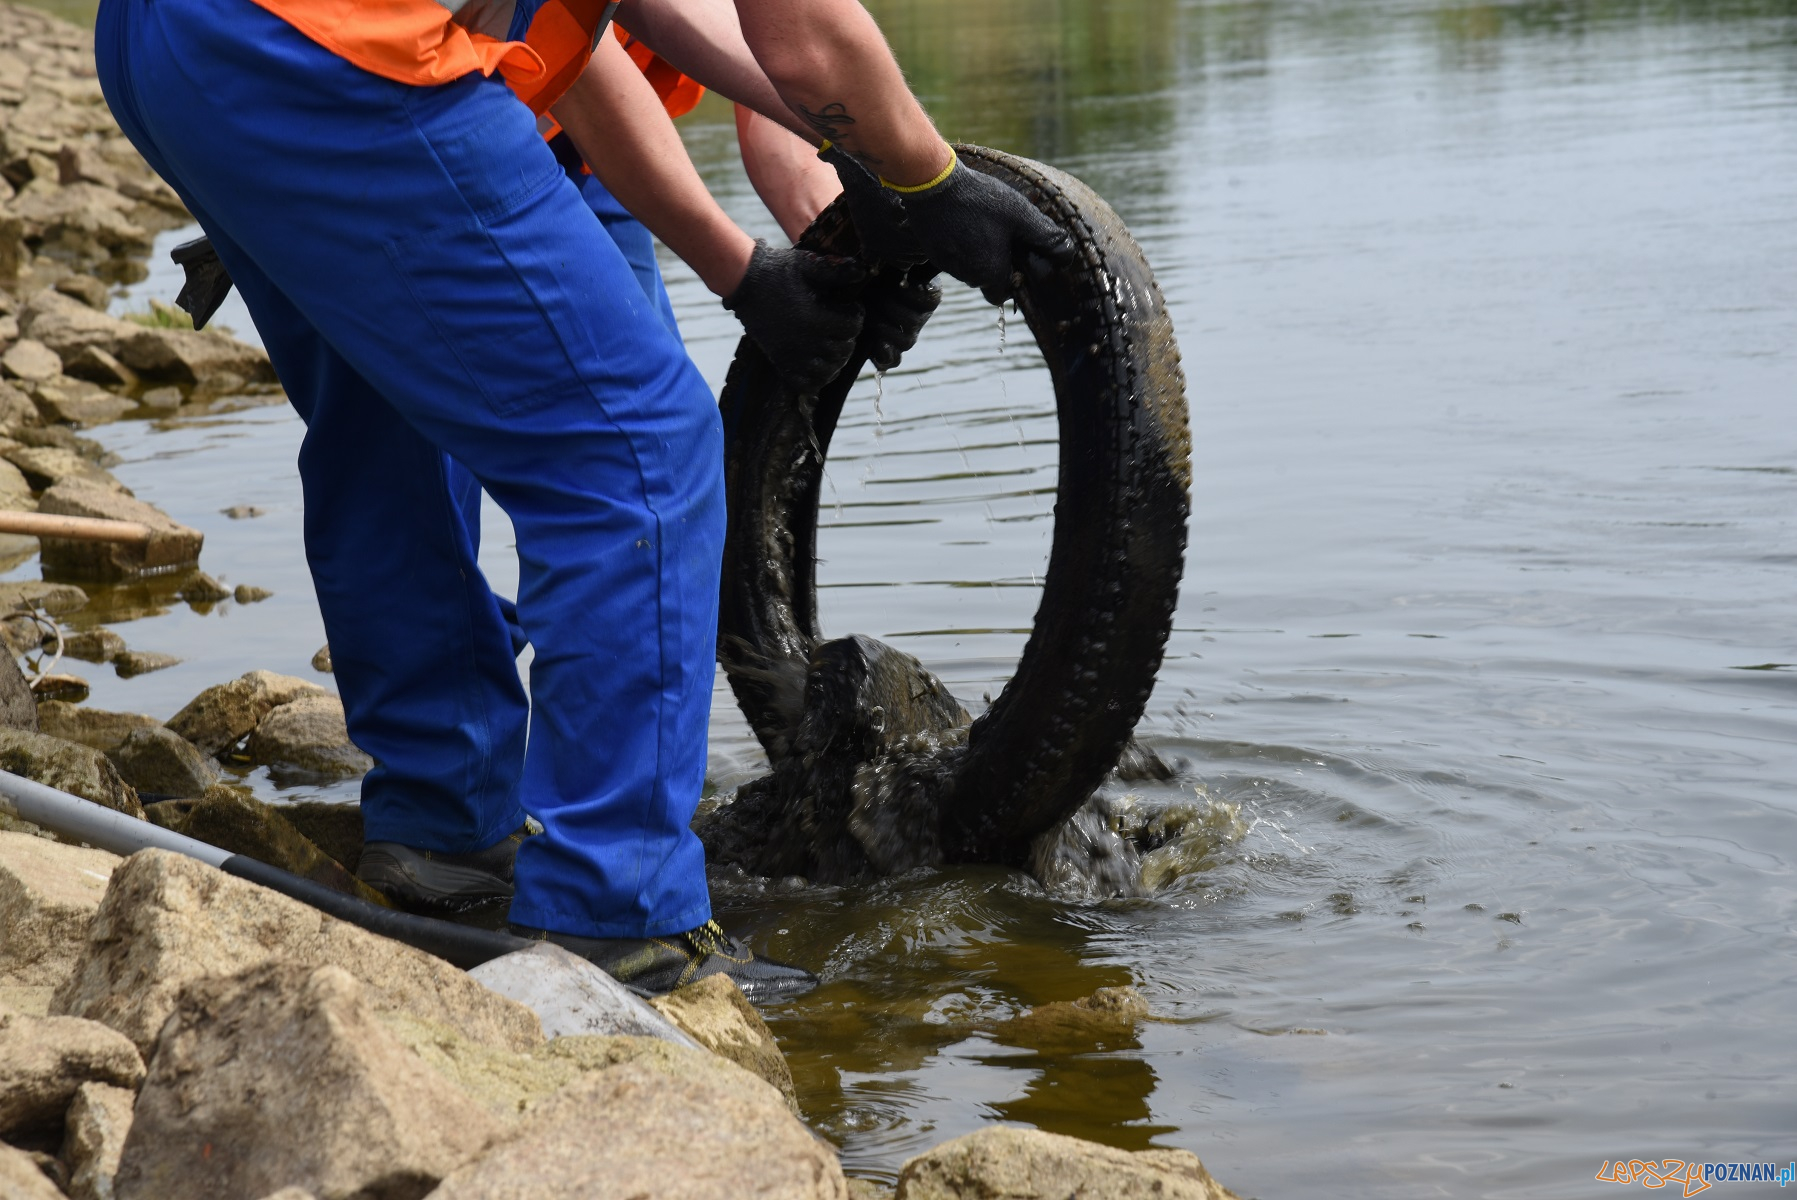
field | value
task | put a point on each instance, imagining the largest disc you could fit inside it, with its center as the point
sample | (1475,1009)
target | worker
(431,288)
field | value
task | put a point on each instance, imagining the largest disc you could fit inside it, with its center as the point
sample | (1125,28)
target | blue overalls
(432,287)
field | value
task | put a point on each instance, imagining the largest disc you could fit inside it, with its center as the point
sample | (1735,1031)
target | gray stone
(82,218)
(219,717)
(321,661)
(104,731)
(16,408)
(69,767)
(85,288)
(49,893)
(69,401)
(243,512)
(44,1060)
(20,1177)
(161,761)
(71,688)
(715,1013)
(572,997)
(188,356)
(167,921)
(308,736)
(221,1115)
(68,326)
(171,543)
(30,360)
(161,397)
(999,1163)
(1075,1026)
(18,707)
(709,1136)
(47,466)
(131,663)
(94,1131)
(99,366)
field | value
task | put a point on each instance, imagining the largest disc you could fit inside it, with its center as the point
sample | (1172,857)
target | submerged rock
(230,820)
(45,1060)
(222,715)
(93,645)
(1107,1015)
(307,736)
(246,594)
(94,1132)
(1026,1164)
(715,1013)
(104,731)
(201,588)
(132,663)
(167,921)
(162,762)
(171,543)
(221,1115)
(69,767)
(53,598)
(49,893)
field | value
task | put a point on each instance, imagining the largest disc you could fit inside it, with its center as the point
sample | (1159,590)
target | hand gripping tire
(1119,537)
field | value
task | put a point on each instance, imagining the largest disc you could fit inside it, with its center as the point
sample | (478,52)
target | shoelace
(708,938)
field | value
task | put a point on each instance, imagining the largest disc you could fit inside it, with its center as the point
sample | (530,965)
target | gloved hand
(801,310)
(897,301)
(979,230)
(876,210)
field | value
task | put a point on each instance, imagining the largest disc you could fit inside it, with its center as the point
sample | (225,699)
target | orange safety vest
(418,42)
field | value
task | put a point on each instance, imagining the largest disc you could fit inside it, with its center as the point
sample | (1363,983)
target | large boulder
(285,1077)
(162,762)
(171,543)
(715,1013)
(308,737)
(633,1131)
(67,767)
(227,818)
(219,717)
(1000,1163)
(167,921)
(45,1060)
(104,731)
(20,1178)
(18,707)
(94,1131)
(49,893)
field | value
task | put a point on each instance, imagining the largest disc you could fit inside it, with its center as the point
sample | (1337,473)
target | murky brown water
(1482,666)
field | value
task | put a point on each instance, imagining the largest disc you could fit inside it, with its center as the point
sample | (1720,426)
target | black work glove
(801,310)
(980,231)
(897,301)
(876,210)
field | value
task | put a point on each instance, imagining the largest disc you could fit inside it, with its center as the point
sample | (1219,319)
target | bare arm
(788,176)
(617,123)
(702,39)
(831,65)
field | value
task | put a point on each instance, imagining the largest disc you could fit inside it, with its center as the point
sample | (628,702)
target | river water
(1482,681)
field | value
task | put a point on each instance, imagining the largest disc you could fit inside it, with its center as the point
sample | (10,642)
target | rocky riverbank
(169,1030)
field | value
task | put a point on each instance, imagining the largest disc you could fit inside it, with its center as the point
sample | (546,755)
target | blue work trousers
(432,287)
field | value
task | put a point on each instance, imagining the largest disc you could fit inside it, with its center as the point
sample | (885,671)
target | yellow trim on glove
(924,187)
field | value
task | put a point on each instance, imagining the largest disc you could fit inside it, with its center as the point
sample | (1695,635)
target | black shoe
(658,965)
(425,879)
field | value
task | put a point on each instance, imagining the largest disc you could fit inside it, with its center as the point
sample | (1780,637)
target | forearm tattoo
(832,121)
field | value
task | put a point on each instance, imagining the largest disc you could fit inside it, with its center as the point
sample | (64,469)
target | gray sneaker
(427,879)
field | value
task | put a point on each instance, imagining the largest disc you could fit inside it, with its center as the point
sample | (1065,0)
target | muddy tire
(1119,538)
